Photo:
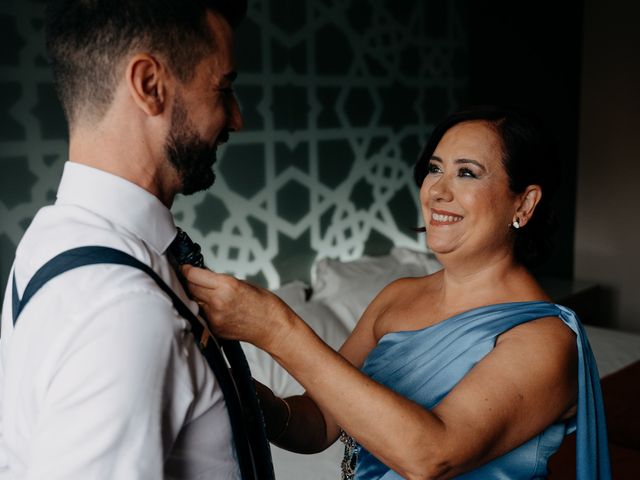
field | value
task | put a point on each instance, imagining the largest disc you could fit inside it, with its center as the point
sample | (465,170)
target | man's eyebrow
(473,162)
(226,80)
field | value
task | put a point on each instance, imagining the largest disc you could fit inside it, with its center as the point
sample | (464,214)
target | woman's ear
(529,199)
(147,81)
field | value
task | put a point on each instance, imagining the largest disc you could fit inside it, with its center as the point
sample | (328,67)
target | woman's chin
(439,249)
(440,243)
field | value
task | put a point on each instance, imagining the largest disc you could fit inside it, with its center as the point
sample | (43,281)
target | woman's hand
(238,310)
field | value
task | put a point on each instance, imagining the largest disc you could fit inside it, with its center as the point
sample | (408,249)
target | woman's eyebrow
(462,161)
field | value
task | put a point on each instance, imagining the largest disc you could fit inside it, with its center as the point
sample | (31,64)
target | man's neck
(127,153)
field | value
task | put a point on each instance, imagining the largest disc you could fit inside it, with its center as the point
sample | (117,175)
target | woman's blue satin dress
(424,365)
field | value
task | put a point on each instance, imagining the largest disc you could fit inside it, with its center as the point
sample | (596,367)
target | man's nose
(236,122)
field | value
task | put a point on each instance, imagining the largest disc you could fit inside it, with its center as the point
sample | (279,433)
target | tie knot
(185,251)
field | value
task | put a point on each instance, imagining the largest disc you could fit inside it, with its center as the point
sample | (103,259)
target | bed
(337,296)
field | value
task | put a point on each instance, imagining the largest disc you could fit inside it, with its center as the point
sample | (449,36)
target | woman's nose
(440,190)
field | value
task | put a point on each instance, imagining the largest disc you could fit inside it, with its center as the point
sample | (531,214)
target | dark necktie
(247,422)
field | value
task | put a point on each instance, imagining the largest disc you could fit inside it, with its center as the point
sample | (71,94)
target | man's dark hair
(529,157)
(88,39)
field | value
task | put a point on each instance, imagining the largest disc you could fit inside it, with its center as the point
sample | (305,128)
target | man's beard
(192,157)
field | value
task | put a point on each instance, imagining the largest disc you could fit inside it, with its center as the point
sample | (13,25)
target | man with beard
(100,377)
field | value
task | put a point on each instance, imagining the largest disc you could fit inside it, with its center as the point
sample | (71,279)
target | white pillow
(294,293)
(348,287)
(333,276)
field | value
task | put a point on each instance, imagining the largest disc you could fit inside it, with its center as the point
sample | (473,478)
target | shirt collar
(119,201)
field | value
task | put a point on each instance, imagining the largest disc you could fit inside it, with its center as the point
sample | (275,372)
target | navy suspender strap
(247,448)
(252,411)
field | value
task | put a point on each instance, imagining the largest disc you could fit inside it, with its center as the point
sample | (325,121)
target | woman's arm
(293,423)
(525,384)
(297,423)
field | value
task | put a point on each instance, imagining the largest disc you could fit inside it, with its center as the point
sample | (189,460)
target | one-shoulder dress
(424,365)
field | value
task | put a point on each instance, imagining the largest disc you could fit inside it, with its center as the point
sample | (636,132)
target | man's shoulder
(57,229)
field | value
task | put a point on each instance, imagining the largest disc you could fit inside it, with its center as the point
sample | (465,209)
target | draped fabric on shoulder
(424,365)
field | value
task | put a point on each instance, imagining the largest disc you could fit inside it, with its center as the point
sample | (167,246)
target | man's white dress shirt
(101,378)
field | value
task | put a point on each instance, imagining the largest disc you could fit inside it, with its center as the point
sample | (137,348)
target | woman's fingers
(236,309)
(200,276)
(200,294)
(215,291)
(205,285)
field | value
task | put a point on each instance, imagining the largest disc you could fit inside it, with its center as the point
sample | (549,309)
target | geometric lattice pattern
(33,135)
(338,97)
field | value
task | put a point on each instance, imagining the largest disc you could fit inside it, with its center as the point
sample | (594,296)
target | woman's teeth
(445,218)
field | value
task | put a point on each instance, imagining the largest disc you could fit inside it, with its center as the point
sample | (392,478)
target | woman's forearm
(294,423)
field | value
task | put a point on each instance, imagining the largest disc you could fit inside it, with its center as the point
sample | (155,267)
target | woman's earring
(516,223)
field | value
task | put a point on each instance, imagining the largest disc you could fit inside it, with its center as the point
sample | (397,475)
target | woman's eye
(465,172)
(433,168)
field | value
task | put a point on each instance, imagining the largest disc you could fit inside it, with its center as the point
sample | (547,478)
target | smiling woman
(466,196)
(443,375)
(510,147)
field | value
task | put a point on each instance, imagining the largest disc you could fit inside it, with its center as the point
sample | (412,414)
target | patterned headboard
(338,97)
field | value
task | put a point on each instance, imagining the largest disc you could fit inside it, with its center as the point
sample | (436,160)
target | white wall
(607,241)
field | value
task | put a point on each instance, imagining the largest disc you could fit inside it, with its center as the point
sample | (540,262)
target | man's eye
(466,172)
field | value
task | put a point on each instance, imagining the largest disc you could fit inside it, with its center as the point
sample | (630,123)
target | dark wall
(338,98)
(607,233)
(528,54)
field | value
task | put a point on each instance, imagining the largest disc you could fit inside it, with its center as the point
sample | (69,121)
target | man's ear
(147,80)
(528,201)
